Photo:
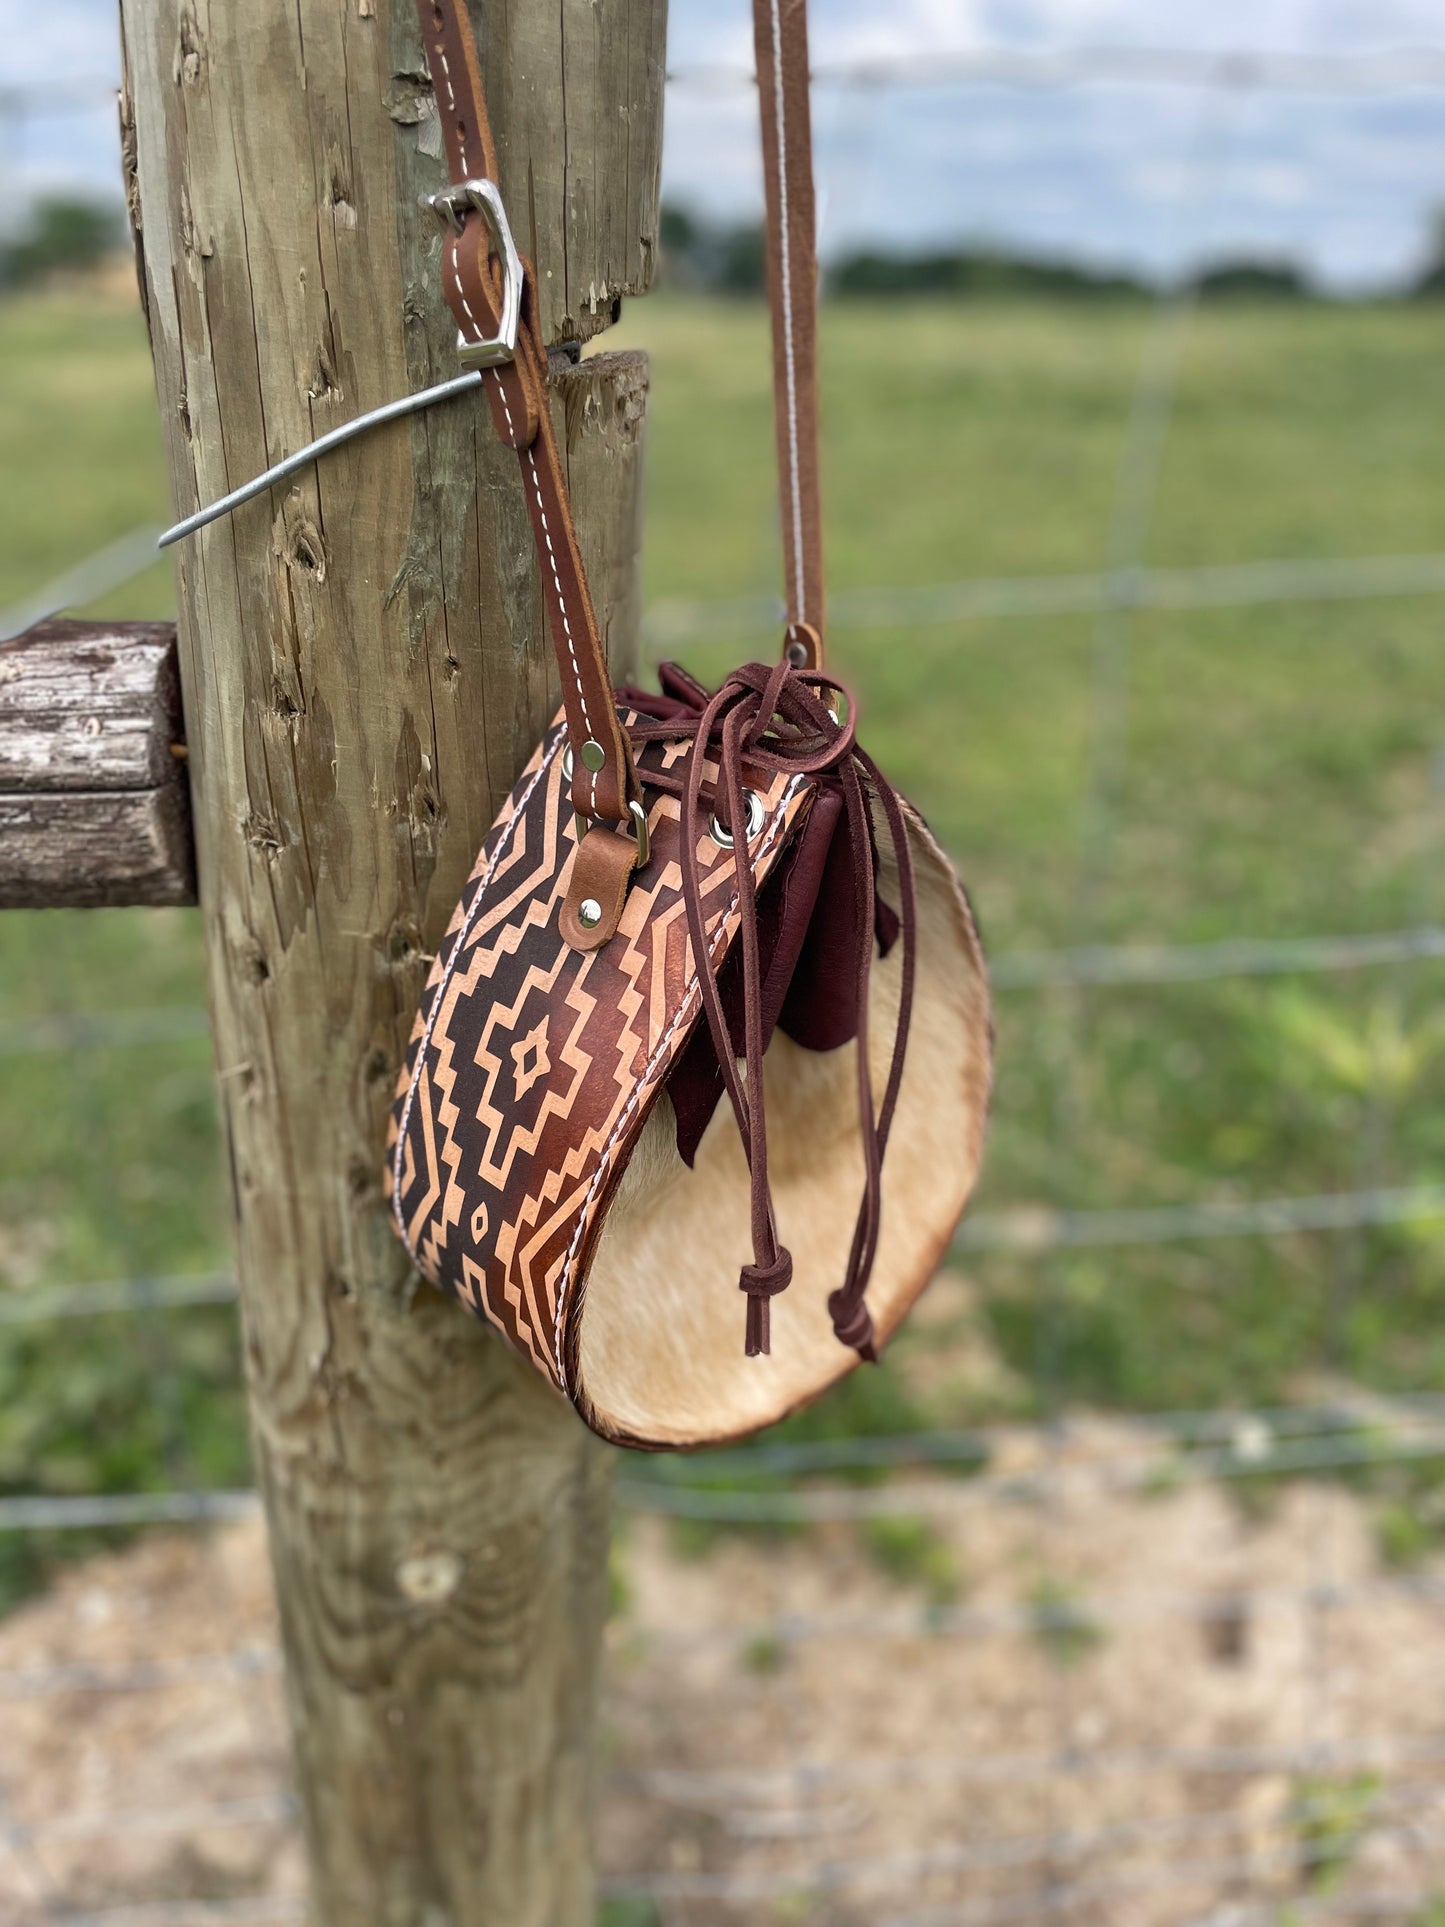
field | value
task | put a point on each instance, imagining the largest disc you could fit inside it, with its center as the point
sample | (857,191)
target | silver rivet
(593,755)
(567,764)
(797,653)
(723,837)
(589,913)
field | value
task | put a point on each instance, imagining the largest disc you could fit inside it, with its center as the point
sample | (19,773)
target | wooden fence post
(364,668)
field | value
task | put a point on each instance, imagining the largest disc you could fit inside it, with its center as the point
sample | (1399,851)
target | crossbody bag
(696,1093)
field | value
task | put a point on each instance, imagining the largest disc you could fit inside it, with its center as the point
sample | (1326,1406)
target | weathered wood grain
(89,706)
(93,804)
(94,850)
(364,668)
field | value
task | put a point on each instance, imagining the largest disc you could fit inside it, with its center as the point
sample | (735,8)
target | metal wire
(145,1676)
(1257,1447)
(832,1876)
(40,1513)
(120,1294)
(262,1809)
(254,1912)
(58,96)
(1103,964)
(1229,585)
(1363,73)
(1098,1613)
(824,1876)
(1293,1863)
(1249,1432)
(735,1786)
(1089,964)
(96,576)
(102,1029)
(1131,1471)
(1038,1228)
(1049,69)
(1024,1229)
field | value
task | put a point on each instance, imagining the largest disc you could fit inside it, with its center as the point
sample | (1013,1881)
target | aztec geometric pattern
(532,1066)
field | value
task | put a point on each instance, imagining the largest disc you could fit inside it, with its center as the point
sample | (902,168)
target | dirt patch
(1097,1706)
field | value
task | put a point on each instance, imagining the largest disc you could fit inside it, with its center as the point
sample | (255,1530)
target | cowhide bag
(712,1011)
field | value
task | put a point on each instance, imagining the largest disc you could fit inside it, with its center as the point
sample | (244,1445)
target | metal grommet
(567,764)
(723,836)
(589,913)
(802,646)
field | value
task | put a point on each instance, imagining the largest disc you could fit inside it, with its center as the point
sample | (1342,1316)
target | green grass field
(1274,774)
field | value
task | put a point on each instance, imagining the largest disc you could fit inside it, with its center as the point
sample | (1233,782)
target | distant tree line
(718,258)
(67,233)
(1432,282)
(62,232)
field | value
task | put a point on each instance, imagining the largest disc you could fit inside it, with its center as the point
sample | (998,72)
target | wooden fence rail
(93,803)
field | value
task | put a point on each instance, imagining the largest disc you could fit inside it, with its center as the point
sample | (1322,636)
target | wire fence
(1365,72)
(674,623)
(1302,1839)
(1096,964)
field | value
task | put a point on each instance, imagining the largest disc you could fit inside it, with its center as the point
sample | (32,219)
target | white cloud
(1113,172)
(1148,177)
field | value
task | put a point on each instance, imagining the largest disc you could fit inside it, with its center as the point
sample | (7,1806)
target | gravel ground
(1107,1707)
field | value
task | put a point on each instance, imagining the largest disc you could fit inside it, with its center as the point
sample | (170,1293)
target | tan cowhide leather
(533,1065)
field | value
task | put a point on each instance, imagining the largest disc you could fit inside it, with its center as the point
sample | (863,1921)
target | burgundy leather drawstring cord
(779,720)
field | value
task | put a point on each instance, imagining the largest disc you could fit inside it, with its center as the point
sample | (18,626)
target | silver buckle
(452,205)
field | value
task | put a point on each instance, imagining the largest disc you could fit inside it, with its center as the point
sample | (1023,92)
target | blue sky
(1147,176)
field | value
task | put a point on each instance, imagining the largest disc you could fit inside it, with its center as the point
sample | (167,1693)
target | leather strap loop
(601,872)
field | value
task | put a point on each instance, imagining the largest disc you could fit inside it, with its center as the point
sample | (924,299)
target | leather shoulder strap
(604,781)
(780,36)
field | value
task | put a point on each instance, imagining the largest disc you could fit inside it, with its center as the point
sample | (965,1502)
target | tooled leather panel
(532,1067)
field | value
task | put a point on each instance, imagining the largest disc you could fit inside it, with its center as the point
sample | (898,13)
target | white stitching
(496,374)
(466,305)
(451,964)
(546,530)
(786,277)
(561,604)
(452,101)
(637,1090)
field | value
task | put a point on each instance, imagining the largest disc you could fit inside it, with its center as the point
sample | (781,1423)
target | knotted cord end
(853,1325)
(762,1283)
